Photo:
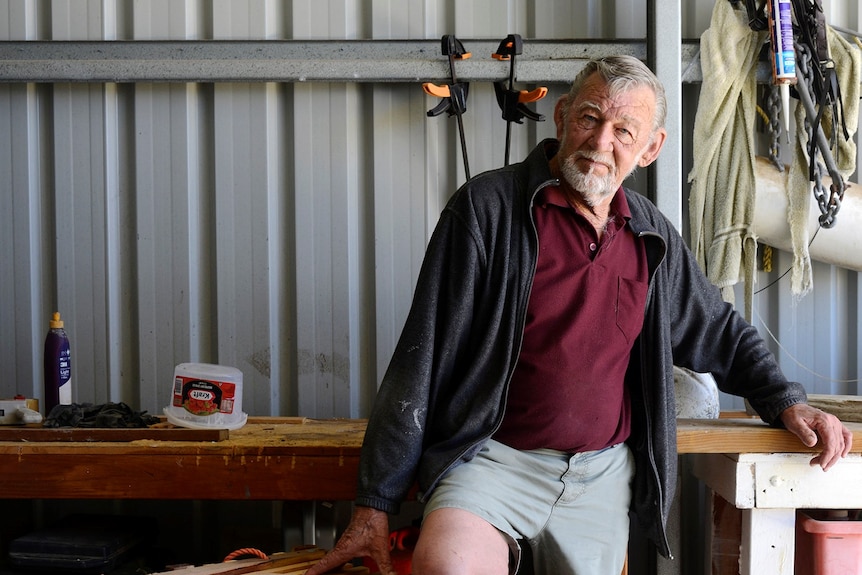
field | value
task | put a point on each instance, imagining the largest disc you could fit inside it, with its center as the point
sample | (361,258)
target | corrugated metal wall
(277,227)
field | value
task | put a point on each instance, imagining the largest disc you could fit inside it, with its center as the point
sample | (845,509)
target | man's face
(604,138)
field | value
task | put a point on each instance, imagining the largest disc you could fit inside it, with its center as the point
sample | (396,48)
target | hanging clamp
(757,18)
(454,94)
(513,102)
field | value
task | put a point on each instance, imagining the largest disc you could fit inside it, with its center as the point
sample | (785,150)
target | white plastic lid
(206,396)
(182,418)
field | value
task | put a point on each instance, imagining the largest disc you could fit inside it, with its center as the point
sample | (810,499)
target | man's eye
(588,122)
(625,136)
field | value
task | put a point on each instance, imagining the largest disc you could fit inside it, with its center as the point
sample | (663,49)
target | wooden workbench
(268,459)
(740,434)
(766,474)
(761,470)
(272,459)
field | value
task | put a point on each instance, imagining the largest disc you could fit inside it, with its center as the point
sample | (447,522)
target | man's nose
(603,136)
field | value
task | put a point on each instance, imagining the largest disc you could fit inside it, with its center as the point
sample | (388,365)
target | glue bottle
(783,53)
(58,366)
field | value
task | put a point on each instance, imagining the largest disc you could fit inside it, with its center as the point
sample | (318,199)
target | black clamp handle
(454,94)
(514,102)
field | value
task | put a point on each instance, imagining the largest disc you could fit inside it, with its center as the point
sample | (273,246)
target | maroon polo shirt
(585,311)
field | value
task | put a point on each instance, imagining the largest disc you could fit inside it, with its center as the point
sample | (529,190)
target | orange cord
(246,551)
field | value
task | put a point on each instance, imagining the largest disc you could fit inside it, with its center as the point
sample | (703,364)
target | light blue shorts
(573,510)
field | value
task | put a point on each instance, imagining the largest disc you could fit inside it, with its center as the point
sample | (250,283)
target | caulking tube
(783,53)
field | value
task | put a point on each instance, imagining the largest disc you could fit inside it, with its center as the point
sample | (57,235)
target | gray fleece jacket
(444,392)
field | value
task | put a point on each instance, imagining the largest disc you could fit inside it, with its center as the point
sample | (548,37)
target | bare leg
(456,542)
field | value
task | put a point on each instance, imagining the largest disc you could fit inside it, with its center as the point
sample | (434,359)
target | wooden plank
(301,569)
(844,407)
(318,438)
(787,480)
(726,477)
(293,562)
(346,570)
(277,420)
(733,436)
(36,433)
(317,459)
(726,536)
(160,475)
(297,558)
(767,543)
(747,435)
(302,559)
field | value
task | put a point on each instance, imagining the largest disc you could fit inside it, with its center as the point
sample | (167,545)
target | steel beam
(551,61)
(290,61)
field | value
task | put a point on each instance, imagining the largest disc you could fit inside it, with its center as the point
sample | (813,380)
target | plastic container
(208,396)
(828,543)
(57,364)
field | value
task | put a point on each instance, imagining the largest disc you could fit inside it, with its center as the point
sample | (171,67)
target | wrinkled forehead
(634,102)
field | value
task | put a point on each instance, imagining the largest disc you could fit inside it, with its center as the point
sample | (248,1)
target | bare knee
(454,542)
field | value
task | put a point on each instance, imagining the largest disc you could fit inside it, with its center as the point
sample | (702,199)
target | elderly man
(530,395)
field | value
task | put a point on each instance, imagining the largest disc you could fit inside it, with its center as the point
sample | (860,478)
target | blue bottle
(58,366)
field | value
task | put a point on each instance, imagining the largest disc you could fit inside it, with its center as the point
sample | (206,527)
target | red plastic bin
(827,544)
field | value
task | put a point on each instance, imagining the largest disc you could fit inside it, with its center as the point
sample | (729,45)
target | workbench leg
(314,522)
(309,522)
(768,541)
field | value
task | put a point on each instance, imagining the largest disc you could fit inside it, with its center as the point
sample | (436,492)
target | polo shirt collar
(553,195)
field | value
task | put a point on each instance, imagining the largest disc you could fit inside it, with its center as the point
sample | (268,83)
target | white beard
(593,188)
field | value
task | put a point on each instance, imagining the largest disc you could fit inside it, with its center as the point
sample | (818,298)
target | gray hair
(622,73)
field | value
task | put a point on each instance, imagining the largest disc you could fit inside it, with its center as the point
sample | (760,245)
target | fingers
(836,447)
(332,560)
(848,442)
(810,424)
(384,562)
(834,438)
(808,436)
(343,554)
(367,535)
(838,442)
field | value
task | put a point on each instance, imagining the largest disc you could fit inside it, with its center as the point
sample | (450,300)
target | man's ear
(653,148)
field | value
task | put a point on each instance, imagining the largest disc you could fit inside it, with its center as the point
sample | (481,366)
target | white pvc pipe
(840,245)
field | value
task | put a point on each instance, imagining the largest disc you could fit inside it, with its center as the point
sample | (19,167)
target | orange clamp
(532,96)
(435,90)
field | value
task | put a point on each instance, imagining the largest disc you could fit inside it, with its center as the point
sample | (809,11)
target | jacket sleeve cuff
(773,417)
(379,503)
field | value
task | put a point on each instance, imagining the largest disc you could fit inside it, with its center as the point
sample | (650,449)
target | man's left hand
(810,424)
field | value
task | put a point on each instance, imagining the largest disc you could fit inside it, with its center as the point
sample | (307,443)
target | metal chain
(773,107)
(831,204)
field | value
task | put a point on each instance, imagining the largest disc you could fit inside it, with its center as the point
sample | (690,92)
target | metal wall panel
(279,227)
(170,296)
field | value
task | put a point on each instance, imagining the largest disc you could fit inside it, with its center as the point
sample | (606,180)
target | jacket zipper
(522,313)
(517,351)
(647,405)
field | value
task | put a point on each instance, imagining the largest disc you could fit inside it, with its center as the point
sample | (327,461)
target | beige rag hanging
(721,204)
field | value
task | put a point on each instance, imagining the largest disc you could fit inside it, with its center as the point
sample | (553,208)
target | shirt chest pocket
(629,307)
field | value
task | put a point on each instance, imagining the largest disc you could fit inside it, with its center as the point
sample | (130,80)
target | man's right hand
(367,535)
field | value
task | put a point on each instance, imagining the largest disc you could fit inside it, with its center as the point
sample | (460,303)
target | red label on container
(202,397)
